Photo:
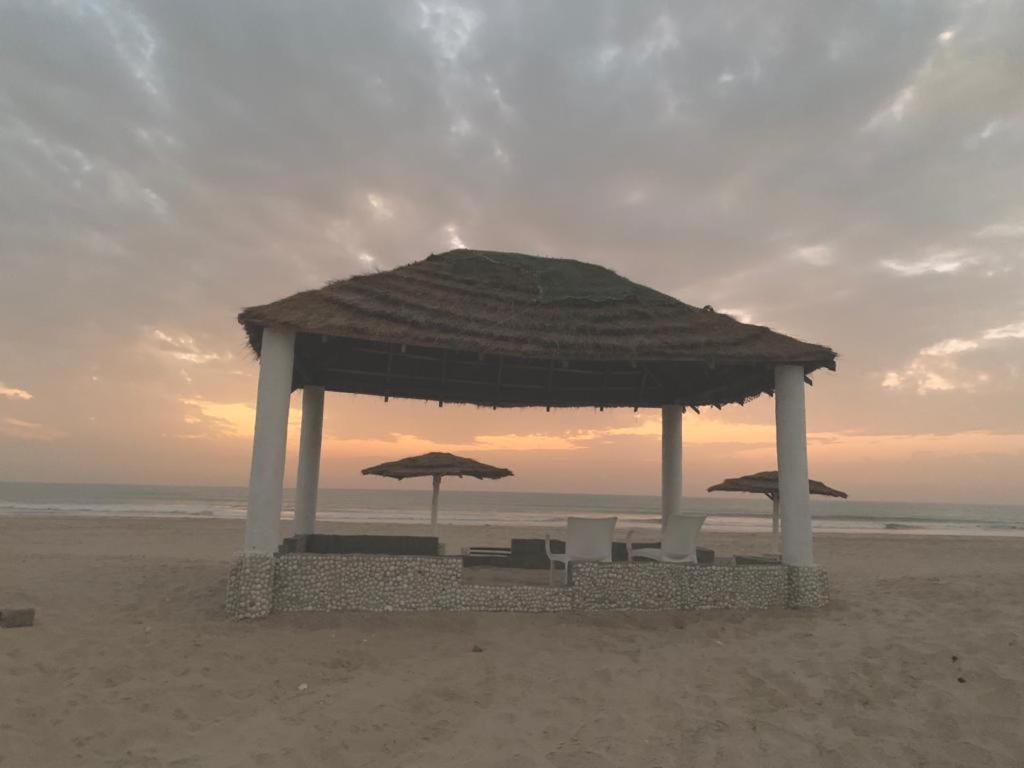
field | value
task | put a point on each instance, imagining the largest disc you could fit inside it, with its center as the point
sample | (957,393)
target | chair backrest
(590,538)
(679,536)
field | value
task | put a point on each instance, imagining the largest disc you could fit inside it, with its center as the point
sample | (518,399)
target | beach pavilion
(509,330)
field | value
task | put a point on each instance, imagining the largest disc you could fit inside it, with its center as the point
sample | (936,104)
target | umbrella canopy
(768,484)
(437,465)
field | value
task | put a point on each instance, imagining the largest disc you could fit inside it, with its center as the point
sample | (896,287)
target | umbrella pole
(433,505)
(775,523)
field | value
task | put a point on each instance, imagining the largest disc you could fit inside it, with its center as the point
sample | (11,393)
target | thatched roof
(434,464)
(507,329)
(768,484)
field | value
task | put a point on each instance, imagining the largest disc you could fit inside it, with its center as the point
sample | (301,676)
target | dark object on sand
(961,679)
(477,649)
(17,617)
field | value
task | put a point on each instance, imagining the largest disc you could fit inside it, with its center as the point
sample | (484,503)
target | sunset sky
(850,173)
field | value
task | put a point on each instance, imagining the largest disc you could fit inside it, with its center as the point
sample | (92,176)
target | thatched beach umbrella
(437,465)
(768,484)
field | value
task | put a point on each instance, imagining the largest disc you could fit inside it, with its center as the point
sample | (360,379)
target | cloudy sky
(851,173)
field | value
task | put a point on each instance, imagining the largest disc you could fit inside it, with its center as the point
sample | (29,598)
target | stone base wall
(664,586)
(515,598)
(250,587)
(261,584)
(807,587)
(367,583)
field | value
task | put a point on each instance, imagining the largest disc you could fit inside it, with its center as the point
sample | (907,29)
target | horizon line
(492,490)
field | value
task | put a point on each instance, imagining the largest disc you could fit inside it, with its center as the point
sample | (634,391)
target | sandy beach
(917,661)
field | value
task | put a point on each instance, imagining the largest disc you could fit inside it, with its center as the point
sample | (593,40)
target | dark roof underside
(507,329)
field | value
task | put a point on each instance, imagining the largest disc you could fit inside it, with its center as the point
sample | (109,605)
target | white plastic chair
(678,541)
(586,539)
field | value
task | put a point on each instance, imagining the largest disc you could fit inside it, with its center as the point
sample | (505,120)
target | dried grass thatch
(438,465)
(768,484)
(508,329)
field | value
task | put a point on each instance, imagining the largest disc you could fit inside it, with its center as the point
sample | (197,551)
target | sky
(849,173)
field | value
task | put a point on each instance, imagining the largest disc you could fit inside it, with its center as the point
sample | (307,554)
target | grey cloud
(168,162)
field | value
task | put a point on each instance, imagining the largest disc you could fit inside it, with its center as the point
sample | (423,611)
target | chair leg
(551,572)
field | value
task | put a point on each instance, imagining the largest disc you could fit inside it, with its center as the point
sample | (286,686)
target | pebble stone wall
(663,586)
(250,587)
(262,584)
(522,598)
(367,583)
(807,587)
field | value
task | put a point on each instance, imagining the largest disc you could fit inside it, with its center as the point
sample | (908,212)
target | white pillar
(791,451)
(269,440)
(310,441)
(433,505)
(671,461)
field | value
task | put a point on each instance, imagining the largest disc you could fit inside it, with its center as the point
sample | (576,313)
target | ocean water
(727,512)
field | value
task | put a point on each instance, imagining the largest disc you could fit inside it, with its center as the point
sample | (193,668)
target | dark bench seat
(335,544)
